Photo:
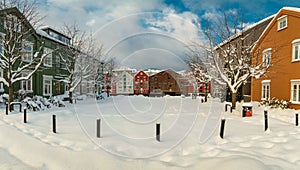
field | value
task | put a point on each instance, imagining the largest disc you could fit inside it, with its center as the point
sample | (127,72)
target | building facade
(141,83)
(48,80)
(124,83)
(279,47)
(167,81)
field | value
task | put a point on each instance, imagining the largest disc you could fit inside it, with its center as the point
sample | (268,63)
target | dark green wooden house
(49,79)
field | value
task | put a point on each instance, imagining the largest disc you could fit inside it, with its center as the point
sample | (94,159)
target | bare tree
(82,57)
(19,34)
(197,63)
(229,48)
(109,66)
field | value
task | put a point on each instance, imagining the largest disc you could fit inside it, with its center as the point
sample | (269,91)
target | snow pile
(189,136)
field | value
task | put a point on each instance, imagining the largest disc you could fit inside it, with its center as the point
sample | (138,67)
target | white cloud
(114,20)
(91,22)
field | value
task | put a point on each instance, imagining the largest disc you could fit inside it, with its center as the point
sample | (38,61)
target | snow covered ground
(189,136)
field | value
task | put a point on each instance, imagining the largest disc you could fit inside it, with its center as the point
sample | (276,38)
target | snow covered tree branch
(81,57)
(17,37)
(229,48)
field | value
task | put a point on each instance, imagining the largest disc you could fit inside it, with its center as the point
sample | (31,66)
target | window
(266,59)
(47,85)
(48,58)
(1,47)
(296,50)
(26,51)
(265,90)
(282,22)
(57,60)
(12,22)
(26,84)
(295,91)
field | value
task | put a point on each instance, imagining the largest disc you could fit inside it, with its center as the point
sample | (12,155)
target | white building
(124,83)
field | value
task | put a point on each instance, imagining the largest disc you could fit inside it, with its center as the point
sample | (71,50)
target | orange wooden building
(279,46)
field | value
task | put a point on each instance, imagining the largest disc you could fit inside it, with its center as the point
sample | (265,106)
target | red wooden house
(203,87)
(141,83)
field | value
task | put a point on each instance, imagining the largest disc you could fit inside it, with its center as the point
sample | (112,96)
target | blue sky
(151,33)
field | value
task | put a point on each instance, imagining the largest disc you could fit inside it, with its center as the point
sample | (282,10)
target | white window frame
(282,22)
(57,61)
(265,89)
(266,57)
(48,59)
(24,83)
(47,78)
(27,55)
(296,50)
(295,98)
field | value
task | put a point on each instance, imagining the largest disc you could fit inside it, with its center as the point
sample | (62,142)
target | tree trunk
(107,91)
(233,100)
(10,96)
(71,97)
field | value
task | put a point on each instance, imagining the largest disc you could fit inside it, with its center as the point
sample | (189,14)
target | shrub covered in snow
(275,103)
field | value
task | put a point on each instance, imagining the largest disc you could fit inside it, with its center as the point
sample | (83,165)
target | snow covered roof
(244,30)
(44,34)
(47,27)
(292,9)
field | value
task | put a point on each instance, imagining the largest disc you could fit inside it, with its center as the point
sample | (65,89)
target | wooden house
(166,81)
(141,83)
(279,47)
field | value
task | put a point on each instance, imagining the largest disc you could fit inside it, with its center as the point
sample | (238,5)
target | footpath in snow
(189,136)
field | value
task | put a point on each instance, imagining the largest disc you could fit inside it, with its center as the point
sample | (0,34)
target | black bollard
(266,119)
(6,111)
(297,123)
(225,107)
(54,123)
(222,128)
(230,109)
(158,132)
(98,127)
(25,115)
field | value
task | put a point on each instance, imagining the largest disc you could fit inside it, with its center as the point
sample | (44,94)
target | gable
(289,12)
(15,12)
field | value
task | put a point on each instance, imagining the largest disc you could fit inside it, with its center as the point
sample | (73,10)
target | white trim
(25,81)
(283,16)
(48,52)
(280,20)
(266,81)
(296,83)
(265,92)
(296,41)
(50,78)
(267,50)
(266,57)
(296,80)
(27,44)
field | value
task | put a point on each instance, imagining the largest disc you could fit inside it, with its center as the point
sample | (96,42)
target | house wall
(141,83)
(167,81)
(124,83)
(57,73)
(282,69)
